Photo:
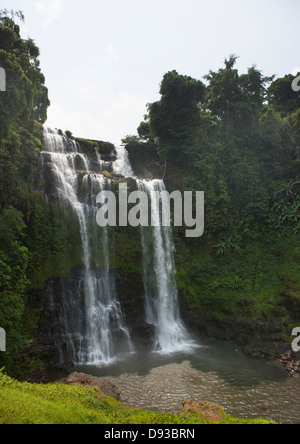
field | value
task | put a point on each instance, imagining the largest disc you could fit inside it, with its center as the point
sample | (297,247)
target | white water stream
(93,323)
(161,296)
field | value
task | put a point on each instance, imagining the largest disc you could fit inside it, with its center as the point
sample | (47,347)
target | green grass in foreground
(24,403)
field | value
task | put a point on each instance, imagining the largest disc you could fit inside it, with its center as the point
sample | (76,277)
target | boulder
(104,384)
(291,363)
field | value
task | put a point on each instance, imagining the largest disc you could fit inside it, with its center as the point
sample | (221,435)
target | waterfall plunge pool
(215,371)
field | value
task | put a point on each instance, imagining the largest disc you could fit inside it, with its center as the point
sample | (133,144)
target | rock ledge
(104,384)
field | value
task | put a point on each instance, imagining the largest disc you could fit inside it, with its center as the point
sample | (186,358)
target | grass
(24,403)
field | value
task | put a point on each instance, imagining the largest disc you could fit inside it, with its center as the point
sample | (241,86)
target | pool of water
(215,372)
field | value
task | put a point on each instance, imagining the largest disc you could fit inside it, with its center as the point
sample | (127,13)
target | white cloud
(111,119)
(111,53)
(296,71)
(50,9)
(88,92)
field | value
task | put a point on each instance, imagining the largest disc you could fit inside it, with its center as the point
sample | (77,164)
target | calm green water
(215,372)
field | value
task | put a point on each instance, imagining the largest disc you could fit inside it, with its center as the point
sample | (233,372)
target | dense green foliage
(23,403)
(22,106)
(175,118)
(236,138)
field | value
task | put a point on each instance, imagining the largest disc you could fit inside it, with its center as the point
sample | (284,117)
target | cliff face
(250,299)
(73,256)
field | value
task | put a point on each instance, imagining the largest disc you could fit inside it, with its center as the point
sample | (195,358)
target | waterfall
(122,164)
(90,320)
(162,309)
(161,294)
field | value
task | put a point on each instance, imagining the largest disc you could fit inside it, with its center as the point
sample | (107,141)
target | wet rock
(262,339)
(145,160)
(290,362)
(38,361)
(104,384)
(143,333)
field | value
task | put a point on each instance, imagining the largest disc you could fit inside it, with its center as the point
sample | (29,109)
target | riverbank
(24,403)
(217,372)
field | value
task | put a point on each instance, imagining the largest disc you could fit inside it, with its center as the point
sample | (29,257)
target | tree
(229,137)
(13,14)
(282,96)
(26,97)
(174,119)
(24,102)
(144,131)
(234,98)
(130,139)
(14,259)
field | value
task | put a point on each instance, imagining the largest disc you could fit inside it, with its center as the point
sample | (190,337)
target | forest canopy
(237,137)
(23,107)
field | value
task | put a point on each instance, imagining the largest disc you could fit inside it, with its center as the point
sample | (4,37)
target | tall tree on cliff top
(175,117)
(26,96)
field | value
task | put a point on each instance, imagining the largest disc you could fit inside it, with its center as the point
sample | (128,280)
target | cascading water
(161,294)
(122,164)
(91,326)
(162,309)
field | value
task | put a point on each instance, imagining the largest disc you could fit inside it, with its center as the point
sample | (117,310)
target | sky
(104,60)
